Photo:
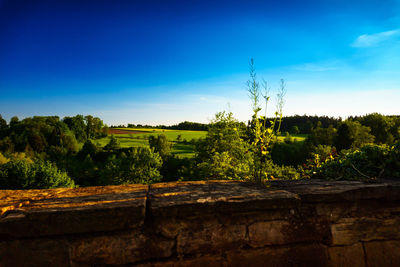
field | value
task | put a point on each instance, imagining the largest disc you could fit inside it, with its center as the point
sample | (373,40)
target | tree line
(48,152)
(186,125)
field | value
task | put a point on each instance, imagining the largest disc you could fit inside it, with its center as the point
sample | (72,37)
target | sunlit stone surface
(205,223)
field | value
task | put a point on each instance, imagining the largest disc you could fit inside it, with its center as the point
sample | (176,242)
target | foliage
(88,148)
(272,171)
(187,125)
(3,159)
(294,129)
(225,166)
(305,123)
(39,135)
(351,134)
(322,136)
(284,153)
(229,150)
(94,126)
(21,174)
(224,134)
(177,168)
(386,129)
(136,165)
(223,151)
(77,125)
(262,136)
(113,144)
(3,127)
(370,162)
(160,145)
(140,137)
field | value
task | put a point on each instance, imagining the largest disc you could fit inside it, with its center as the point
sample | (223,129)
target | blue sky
(163,62)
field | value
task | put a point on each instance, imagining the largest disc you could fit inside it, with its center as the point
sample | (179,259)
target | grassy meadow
(134,137)
(296,137)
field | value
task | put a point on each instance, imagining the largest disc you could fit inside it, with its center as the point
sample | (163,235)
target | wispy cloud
(319,66)
(369,40)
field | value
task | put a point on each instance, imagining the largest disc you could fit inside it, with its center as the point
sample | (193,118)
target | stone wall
(213,223)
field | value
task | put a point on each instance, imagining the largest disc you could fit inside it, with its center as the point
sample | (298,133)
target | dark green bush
(137,165)
(370,162)
(21,174)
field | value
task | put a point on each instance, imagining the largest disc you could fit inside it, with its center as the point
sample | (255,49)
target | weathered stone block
(171,227)
(201,261)
(206,223)
(334,211)
(340,191)
(349,231)
(268,233)
(35,252)
(185,199)
(211,238)
(300,255)
(287,232)
(67,211)
(383,253)
(347,256)
(119,249)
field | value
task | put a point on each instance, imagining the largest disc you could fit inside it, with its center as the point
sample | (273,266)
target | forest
(48,152)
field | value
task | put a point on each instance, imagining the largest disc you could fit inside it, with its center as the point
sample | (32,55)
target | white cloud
(369,40)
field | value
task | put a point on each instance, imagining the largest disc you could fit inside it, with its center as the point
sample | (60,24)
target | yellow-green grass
(296,137)
(139,137)
(171,134)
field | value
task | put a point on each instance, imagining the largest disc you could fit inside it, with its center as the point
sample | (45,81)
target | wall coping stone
(36,213)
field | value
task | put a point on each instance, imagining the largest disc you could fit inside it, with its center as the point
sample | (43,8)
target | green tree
(343,139)
(351,134)
(88,148)
(94,126)
(223,154)
(161,145)
(77,125)
(90,129)
(14,121)
(322,136)
(113,144)
(139,165)
(3,127)
(381,127)
(224,166)
(295,129)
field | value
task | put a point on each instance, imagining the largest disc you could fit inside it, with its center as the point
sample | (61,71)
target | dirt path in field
(118,131)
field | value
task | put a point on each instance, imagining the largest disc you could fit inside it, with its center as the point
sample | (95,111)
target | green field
(296,137)
(139,137)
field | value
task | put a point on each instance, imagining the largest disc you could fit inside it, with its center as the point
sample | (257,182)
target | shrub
(370,162)
(21,174)
(138,165)
(161,145)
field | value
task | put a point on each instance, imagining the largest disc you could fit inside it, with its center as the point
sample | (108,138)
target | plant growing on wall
(262,136)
